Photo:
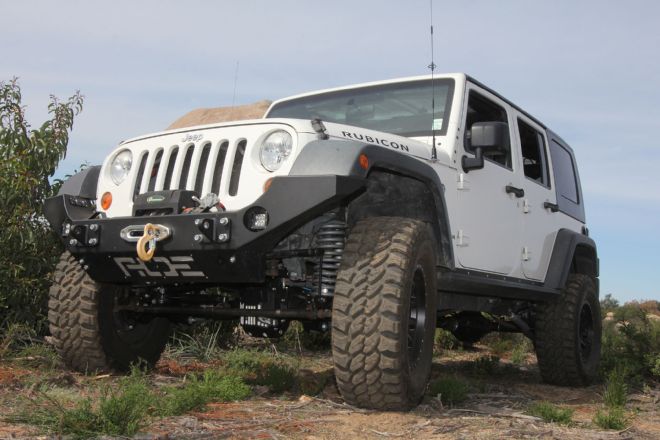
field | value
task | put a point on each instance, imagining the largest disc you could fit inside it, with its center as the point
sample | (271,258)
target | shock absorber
(330,238)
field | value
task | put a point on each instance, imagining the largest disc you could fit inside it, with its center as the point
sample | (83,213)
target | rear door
(539,222)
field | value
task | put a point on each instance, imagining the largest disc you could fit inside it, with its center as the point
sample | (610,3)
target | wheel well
(390,193)
(585,261)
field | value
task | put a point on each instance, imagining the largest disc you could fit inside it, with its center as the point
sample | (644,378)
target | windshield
(399,108)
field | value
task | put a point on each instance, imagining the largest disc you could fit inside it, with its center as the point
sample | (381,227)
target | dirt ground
(496,409)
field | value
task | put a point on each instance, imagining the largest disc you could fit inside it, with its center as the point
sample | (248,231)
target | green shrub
(616,389)
(608,304)
(445,340)
(121,410)
(212,386)
(486,365)
(520,351)
(613,418)
(452,391)
(631,340)
(655,369)
(28,248)
(552,413)
(297,337)
(498,343)
(256,367)
(203,340)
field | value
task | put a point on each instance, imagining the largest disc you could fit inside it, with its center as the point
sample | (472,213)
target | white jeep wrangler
(364,210)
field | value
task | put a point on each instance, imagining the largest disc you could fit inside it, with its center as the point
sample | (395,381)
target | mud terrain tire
(87,333)
(568,333)
(381,351)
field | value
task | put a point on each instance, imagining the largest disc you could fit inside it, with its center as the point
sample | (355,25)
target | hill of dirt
(203,116)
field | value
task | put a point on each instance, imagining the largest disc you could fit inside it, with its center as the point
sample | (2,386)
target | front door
(487,236)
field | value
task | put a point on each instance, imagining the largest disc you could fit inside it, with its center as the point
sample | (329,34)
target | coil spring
(330,238)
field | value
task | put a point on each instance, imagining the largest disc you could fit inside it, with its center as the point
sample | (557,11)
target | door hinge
(461,239)
(526,206)
(526,254)
(462,184)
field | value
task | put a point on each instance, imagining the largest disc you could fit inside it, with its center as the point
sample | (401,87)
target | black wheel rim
(586,332)
(417,318)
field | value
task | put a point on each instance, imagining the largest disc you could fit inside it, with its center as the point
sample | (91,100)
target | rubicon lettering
(375,140)
(170,267)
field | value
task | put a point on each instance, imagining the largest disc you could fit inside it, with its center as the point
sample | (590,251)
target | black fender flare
(341,157)
(67,204)
(572,252)
(82,184)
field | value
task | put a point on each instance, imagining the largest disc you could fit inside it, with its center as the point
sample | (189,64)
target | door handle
(553,207)
(518,192)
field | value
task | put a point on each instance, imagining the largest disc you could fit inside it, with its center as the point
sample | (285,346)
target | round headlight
(120,166)
(275,149)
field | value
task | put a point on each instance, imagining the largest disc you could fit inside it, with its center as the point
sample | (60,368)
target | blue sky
(589,69)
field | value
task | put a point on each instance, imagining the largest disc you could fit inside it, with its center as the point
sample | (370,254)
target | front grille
(203,167)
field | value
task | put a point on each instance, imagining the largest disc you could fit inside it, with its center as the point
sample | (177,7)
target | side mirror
(486,137)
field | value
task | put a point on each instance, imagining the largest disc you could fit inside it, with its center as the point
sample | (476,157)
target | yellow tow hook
(146,245)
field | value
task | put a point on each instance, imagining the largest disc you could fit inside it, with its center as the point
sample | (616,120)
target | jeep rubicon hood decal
(386,140)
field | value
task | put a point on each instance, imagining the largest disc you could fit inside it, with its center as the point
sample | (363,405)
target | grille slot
(140,174)
(185,170)
(219,165)
(154,170)
(201,169)
(236,167)
(170,168)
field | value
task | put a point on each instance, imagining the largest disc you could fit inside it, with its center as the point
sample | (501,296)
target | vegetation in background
(520,351)
(499,343)
(445,340)
(28,158)
(452,391)
(611,418)
(552,413)
(616,388)
(632,341)
(608,304)
(202,341)
(615,397)
(486,365)
(298,338)
(277,372)
(212,386)
(120,411)
(127,407)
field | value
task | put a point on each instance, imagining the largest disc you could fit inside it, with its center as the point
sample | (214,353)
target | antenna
(233,96)
(434,152)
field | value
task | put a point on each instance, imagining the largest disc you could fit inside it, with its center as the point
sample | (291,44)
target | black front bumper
(197,250)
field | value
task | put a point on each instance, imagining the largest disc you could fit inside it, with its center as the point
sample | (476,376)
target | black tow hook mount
(216,229)
(82,235)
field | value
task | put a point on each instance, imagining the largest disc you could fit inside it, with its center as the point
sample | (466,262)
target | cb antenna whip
(434,152)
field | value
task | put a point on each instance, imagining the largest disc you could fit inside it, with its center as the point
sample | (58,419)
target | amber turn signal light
(268,183)
(364,161)
(106,201)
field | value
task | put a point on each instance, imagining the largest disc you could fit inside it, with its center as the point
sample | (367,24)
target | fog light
(256,219)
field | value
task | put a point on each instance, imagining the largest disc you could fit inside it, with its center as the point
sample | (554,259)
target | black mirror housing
(490,136)
(486,137)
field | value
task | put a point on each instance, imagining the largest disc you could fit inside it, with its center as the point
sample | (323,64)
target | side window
(481,109)
(564,170)
(535,162)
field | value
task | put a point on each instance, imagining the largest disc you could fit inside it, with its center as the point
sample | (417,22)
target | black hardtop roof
(508,101)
